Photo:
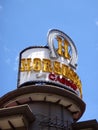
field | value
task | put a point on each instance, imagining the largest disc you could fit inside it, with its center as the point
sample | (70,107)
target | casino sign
(54,64)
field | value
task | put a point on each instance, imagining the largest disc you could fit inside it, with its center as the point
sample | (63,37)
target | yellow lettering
(59,50)
(71,74)
(66,53)
(47,65)
(57,68)
(76,78)
(37,64)
(25,65)
(63,49)
(64,70)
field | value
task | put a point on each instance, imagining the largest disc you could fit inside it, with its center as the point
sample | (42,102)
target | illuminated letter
(71,74)
(57,68)
(66,53)
(37,64)
(63,49)
(79,85)
(61,80)
(25,64)
(59,46)
(47,65)
(64,70)
(51,76)
(75,78)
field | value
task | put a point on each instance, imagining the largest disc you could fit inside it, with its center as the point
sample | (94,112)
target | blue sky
(25,23)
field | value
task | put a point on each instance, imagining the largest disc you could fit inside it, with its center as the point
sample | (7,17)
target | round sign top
(53,65)
(66,47)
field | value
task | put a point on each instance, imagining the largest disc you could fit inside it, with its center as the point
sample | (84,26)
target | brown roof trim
(18,110)
(86,124)
(42,89)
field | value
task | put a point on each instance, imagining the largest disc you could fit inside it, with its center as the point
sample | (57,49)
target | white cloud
(16,63)
(6,52)
(97,23)
(1,7)
(9,57)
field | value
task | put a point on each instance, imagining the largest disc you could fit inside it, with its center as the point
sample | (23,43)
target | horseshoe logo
(66,47)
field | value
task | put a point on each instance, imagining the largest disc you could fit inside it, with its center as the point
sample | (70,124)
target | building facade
(49,91)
